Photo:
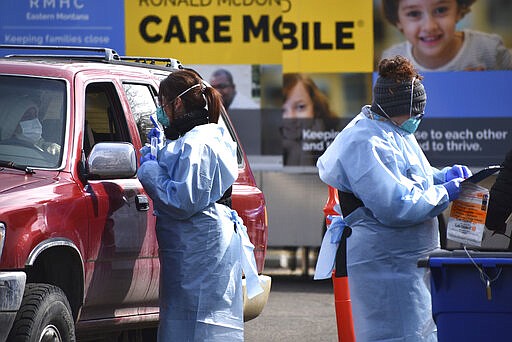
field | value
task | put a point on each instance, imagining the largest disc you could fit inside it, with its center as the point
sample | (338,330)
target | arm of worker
(189,175)
(399,189)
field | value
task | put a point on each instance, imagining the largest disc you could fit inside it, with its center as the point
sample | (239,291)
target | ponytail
(184,84)
(214,100)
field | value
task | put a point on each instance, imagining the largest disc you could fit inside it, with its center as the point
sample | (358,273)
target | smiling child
(433,42)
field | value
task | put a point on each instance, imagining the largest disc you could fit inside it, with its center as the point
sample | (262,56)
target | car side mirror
(109,160)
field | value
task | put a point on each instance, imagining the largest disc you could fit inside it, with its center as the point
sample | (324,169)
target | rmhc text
(305,35)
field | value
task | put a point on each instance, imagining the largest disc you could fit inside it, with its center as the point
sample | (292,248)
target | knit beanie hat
(395,97)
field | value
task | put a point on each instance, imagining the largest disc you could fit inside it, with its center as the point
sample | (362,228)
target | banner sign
(476,142)
(467,118)
(328,36)
(206,31)
(94,23)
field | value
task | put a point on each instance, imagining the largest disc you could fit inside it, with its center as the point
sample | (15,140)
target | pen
(153,121)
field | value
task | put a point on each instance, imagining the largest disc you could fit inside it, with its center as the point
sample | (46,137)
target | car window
(32,120)
(141,98)
(104,116)
(239,156)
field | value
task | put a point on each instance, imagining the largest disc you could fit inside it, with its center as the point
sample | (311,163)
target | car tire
(44,315)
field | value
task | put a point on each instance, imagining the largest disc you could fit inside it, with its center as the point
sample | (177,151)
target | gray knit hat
(395,97)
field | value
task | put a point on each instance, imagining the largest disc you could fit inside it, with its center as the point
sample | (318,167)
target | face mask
(162,117)
(411,124)
(31,130)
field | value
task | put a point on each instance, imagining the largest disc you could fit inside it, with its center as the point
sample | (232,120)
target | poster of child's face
(445,35)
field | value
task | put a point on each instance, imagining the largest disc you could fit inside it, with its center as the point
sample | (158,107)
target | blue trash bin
(462,306)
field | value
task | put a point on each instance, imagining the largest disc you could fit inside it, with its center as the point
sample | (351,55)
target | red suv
(78,250)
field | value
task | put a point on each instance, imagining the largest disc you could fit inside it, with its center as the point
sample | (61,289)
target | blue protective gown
(384,166)
(200,253)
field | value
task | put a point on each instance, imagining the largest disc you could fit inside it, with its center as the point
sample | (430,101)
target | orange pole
(342,302)
(343,307)
(332,200)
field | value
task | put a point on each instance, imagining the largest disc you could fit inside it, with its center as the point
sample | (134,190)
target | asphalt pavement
(299,309)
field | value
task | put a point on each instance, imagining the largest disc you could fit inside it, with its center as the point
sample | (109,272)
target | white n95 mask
(31,130)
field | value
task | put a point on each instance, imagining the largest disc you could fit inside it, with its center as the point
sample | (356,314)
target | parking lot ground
(299,308)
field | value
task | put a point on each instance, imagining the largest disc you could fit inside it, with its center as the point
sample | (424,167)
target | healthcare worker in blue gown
(201,240)
(376,160)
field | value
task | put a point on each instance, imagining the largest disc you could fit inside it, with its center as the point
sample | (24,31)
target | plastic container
(471,303)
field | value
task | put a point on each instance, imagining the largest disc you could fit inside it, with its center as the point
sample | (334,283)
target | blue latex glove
(453,188)
(146,154)
(457,171)
(155,133)
(144,158)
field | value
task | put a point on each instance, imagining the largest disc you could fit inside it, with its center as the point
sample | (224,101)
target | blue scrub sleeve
(393,198)
(183,186)
(439,175)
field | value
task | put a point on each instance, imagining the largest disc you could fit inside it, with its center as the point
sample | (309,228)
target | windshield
(32,120)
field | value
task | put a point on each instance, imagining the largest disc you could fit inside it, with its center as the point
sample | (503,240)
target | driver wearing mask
(22,127)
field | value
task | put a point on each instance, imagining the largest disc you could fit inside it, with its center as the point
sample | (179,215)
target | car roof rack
(108,54)
(102,54)
(171,62)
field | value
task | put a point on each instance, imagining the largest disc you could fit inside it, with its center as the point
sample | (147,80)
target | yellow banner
(205,31)
(328,36)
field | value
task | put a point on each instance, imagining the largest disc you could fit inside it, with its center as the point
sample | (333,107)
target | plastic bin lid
(460,257)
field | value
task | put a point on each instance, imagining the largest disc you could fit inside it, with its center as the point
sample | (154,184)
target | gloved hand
(146,154)
(453,188)
(50,147)
(156,133)
(457,171)
(144,158)
(53,148)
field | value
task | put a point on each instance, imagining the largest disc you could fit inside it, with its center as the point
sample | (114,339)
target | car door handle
(142,203)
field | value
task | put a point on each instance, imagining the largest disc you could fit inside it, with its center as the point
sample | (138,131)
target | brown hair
(399,69)
(181,80)
(321,107)
(390,9)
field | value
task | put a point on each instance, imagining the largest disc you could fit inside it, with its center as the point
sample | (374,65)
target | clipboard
(483,174)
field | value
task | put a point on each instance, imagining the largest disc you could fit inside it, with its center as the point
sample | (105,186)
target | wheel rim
(50,334)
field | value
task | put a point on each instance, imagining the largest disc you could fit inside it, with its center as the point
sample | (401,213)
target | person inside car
(21,126)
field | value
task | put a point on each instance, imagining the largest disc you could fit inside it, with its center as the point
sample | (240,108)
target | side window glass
(141,98)
(104,117)
(239,156)
(32,120)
